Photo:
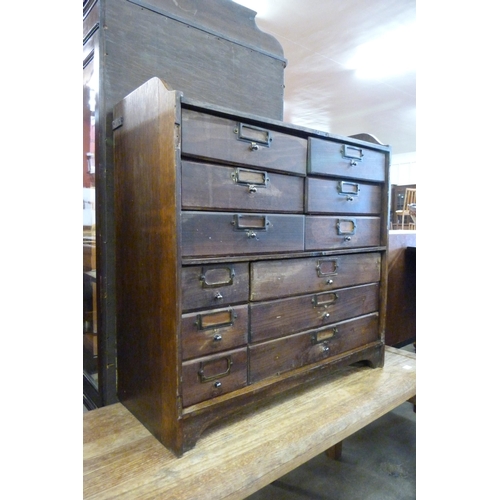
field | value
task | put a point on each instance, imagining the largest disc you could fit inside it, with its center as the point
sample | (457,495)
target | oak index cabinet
(250,257)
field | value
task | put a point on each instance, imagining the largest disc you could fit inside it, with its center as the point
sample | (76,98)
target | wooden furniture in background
(210,50)
(251,258)
(122,460)
(407,221)
(397,202)
(401,327)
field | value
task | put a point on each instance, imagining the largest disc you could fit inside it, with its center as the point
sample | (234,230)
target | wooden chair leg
(335,452)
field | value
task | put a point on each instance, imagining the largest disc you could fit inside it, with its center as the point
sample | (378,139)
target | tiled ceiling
(323,90)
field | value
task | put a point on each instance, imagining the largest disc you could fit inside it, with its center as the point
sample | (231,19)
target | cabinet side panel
(147,263)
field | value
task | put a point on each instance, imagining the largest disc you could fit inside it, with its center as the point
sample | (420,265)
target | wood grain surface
(121,459)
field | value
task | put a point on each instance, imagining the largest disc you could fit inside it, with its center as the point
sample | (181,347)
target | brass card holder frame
(203,324)
(216,284)
(211,378)
(256,136)
(253,179)
(352,153)
(324,335)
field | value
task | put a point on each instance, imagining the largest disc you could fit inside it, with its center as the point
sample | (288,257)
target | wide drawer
(215,138)
(282,278)
(332,233)
(215,330)
(211,376)
(344,160)
(215,187)
(278,318)
(218,233)
(342,196)
(282,355)
(214,285)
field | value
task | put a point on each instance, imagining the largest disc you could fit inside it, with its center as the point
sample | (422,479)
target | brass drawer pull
(352,153)
(210,378)
(327,267)
(254,135)
(250,222)
(252,178)
(324,335)
(219,319)
(332,298)
(349,189)
(216,277)
(346,227)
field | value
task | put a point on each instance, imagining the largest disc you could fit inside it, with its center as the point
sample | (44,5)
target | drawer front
(214,285)
(214,330)
(342,196)
(211,234)
(278,318)
(214,138)
(329,233)
(212,376)
(340,159)
(282,355)
(287,277)
(216,187)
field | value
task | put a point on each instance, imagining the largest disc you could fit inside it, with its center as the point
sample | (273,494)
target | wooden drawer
(278,318)
(214,285)
(215,138)
(329,233)
(342,196)
(214,330)
(214,187)
(282,278)
(281,355)
(343,160)
(211,376)
(216,233)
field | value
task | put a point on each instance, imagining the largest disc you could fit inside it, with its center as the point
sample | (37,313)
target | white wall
(404,168)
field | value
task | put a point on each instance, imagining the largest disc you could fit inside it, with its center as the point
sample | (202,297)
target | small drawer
(282,355)
(283,278)
(220,233)
(215,187)
(343,197)
(214,330)
(277,318)
(214,285)
(215,138)
(332,233)
(211,376)
(328,157)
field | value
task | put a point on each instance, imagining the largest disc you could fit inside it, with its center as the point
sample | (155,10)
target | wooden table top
(121,459)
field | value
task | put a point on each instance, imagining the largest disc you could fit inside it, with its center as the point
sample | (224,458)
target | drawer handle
(350,189)
(216,277)
(218,319)
(251,178)
(346,227)
(218,296)
(254,135)
(327,267)
(324,335)
(218,385)
(217,338)
(319,302)
(210,378)
(352,153)
(250,222)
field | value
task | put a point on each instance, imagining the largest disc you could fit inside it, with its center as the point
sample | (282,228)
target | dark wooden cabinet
(250,258)
(210,50)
